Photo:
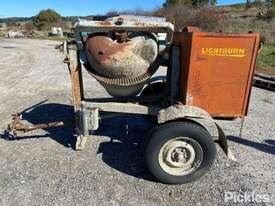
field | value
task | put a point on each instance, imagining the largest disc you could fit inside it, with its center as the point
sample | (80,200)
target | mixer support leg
(81,114)
(76,80)
(87,121)
(81,142)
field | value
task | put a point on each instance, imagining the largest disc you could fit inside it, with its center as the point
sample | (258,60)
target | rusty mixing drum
(122,62)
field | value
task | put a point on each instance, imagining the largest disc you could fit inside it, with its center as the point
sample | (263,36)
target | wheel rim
(180,156)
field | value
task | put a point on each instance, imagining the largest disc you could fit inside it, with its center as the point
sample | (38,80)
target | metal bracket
(81,142)
(88,120)
(94,119)
(222,141)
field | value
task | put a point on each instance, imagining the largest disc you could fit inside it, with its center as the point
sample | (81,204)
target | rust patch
(120,60)
(105,23)
(102,48)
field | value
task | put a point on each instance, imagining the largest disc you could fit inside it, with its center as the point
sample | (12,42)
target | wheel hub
(178,156)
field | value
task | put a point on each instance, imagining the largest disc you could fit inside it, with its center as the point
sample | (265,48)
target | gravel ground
(42,169)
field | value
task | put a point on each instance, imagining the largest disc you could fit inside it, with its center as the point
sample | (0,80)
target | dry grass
(243,25)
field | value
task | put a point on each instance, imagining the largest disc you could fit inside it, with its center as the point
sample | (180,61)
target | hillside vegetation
(256,17)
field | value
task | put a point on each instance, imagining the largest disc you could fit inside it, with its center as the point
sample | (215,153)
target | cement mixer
(123,52)
(209,76)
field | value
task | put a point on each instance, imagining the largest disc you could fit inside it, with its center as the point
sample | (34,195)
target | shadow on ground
(44,113)
(267,147)
(124,151)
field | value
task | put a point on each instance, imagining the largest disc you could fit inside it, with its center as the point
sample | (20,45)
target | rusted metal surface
(121,37)
(156,25)
(124,87)
(74,67)
(137,18)
(217,71)
(126,81)
(121,60)
(18,126)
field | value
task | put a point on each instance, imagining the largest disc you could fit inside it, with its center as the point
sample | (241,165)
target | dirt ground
(41,168)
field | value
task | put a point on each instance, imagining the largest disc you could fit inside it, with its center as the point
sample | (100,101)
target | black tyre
(179,152)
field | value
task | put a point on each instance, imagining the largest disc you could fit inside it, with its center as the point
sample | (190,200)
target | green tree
(46,18)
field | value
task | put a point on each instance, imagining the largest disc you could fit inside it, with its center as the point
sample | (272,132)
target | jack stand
(81,142)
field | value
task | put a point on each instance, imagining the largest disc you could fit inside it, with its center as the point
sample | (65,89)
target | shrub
(265,10)
(29,26)
(270,14)
(11,24)
(205,17)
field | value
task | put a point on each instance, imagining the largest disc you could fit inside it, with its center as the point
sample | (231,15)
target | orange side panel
(217,71)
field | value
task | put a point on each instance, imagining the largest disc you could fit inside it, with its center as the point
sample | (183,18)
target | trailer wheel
(179,152)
